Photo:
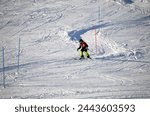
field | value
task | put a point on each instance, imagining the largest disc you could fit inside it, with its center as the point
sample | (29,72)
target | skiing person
(84,49)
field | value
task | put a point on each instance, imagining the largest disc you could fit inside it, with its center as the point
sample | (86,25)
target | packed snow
(49,31)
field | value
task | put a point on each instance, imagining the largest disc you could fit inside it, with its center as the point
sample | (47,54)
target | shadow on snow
(124,60)
(76,34)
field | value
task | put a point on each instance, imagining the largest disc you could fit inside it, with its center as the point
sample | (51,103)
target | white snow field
(49,30)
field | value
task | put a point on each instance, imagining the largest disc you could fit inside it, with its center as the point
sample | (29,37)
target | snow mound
(110,49)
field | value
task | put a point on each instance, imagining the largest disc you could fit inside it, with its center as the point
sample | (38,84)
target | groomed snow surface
(49,31)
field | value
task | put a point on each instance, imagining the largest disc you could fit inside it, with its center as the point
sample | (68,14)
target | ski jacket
(83,45)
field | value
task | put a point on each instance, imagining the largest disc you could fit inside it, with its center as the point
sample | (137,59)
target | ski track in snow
(49,35)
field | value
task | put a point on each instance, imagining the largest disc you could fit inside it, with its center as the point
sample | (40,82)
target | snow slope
(49,30)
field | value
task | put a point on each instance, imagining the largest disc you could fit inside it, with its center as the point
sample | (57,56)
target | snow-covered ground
(49,30)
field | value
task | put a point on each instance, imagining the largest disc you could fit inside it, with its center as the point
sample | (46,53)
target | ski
(82,58)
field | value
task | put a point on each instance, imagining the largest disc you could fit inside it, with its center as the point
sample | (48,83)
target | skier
(84,49)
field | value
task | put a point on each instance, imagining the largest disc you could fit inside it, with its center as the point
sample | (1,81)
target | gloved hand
(87,48)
